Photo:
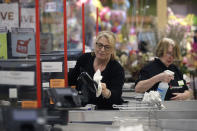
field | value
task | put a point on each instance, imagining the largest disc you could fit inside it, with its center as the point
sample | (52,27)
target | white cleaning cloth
(97,77)
(154,98)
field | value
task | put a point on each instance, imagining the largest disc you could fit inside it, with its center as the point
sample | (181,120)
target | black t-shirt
(113,76)
(178,85)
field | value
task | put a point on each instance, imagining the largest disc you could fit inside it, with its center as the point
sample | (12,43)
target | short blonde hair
(111,37)
(162,48)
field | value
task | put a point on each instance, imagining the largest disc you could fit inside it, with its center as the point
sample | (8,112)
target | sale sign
(9,15)
(23,44)
(28,18)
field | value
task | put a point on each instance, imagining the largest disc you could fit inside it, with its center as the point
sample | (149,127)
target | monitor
(18,79)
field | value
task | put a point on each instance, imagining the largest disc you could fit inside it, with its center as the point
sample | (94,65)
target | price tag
(57,83)
(181,83)
(52,66)
(13,93)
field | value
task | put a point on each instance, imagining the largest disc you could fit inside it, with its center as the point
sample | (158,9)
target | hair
(111,37)
(162,48)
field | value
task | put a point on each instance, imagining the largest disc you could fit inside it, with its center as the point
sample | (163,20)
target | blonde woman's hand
(105,91)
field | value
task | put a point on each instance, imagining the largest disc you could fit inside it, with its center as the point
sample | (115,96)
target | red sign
(22,46)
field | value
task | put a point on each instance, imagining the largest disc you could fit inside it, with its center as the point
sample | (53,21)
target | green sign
(3,46)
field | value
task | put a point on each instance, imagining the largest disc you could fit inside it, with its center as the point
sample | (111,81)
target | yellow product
(3,46)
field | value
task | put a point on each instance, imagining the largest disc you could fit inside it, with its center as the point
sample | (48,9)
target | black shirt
(113,76)
(155,67)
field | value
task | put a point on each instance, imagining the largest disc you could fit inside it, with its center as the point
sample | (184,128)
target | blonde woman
(103,58)
(153,73)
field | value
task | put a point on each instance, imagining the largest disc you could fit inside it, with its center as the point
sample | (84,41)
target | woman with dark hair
(153,73)
(103,58)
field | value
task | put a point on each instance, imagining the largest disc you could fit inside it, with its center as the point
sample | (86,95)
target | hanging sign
(50,7)
(25,1)
(28,18)
(9,15)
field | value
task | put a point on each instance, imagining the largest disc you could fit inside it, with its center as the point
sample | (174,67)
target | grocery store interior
(47,82)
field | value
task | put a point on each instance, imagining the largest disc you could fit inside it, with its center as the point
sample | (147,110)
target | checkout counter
(135,115)
(177,116)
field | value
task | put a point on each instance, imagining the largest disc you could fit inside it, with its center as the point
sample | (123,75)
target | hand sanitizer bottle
(163,86)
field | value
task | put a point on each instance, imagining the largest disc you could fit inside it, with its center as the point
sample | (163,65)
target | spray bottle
(163,86)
